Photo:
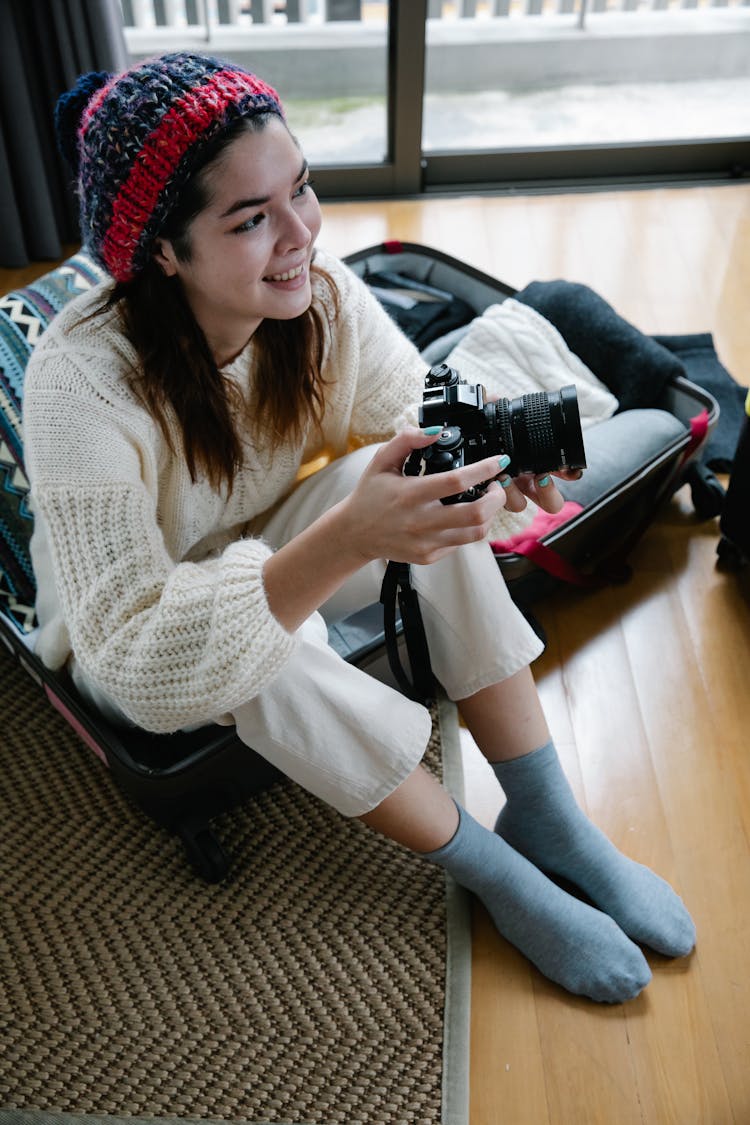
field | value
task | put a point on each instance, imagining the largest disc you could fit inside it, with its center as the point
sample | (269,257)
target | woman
(185,575)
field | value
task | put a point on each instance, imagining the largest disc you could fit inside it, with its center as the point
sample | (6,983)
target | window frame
(408,171)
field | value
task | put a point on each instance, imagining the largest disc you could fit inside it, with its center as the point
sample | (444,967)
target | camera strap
(397,591)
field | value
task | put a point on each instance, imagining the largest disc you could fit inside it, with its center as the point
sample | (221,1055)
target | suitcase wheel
(204,852)
(730,555)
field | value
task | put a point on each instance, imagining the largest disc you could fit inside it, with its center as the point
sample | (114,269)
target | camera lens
(541,431)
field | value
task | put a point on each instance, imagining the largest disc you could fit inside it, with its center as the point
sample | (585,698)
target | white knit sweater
(153,581)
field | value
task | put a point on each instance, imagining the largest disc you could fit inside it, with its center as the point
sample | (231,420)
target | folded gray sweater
(632,365)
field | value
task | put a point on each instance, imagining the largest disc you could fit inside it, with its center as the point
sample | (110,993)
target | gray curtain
(44,46)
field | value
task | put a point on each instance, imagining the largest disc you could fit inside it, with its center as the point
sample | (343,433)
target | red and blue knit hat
(134,139)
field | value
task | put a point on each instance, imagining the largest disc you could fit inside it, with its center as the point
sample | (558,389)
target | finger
(453,524)
(439,486)
(545,493)
(393,454)
(478,512)
(440,542)
(515,501)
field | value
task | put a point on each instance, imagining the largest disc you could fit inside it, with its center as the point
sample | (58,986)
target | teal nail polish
(504,461)
(506,481)
(431,430)
(543,481)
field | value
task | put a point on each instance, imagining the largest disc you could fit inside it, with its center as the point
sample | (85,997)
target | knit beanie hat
(134,139)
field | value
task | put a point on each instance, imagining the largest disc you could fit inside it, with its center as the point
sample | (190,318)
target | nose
(296,234)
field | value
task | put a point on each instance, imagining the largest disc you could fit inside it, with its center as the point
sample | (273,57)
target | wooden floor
(645,686)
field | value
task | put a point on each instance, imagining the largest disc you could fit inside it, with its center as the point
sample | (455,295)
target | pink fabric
(542,524)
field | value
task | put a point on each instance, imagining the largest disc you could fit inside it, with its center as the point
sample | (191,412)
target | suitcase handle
(614,568)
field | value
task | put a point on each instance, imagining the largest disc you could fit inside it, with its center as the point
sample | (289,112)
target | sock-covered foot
(568,941)
(543,821)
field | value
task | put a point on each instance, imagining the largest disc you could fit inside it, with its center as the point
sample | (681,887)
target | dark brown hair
(178,372)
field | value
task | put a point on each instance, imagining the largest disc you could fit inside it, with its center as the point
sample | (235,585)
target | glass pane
(328,59)
(538,73)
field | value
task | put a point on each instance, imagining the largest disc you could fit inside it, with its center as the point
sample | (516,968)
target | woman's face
(252,244)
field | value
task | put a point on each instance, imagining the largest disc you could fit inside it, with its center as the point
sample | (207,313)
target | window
(405,96)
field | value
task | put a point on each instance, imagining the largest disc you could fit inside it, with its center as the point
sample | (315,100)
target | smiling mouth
(288,275)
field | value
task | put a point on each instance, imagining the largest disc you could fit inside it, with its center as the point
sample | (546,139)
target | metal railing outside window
(243,14)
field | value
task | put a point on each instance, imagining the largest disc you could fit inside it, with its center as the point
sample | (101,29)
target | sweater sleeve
(390,370)
(172,643)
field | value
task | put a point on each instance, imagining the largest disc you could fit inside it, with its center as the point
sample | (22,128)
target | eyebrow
(241,204)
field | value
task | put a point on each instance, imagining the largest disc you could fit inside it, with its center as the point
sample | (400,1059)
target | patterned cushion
(24,314)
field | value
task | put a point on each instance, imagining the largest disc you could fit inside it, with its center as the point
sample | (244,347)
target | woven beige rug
(326,981)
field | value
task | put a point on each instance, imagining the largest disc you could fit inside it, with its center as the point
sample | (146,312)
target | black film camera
(540,432)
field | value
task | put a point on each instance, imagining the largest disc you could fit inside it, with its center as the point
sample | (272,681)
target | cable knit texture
(512,350)
(155,582)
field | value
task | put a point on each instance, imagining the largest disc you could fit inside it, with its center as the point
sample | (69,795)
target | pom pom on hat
(69,110)
(136,139)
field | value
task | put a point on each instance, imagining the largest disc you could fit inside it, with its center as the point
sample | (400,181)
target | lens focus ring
(540,434)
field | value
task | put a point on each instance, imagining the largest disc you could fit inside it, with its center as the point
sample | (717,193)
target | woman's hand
(387,516)
(392,516)
(538,487)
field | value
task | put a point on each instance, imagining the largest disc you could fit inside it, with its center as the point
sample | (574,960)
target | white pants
(337,731)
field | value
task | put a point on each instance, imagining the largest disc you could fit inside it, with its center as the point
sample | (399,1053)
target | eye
(249,224)
(302,189)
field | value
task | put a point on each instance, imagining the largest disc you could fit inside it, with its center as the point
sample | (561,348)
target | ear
(165,257)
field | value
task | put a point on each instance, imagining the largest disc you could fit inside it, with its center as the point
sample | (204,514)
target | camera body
(539,431)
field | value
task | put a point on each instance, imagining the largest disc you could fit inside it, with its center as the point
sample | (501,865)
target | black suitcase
(590,548)
(734,523)
(185,780)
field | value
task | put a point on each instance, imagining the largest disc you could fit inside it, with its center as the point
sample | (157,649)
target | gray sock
(571,943)
(543,821)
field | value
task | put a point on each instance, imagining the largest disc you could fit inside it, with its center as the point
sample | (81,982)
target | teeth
(286,276)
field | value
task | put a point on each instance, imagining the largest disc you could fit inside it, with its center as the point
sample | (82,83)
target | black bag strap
(397,589)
